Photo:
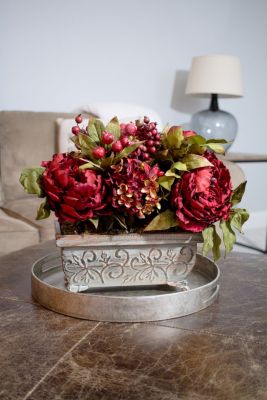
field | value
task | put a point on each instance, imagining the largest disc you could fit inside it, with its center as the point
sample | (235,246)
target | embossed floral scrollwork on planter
(140,265)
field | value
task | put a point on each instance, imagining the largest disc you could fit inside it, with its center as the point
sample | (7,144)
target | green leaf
(30,180)
(199,144)
(178,154)
(196,149)
(198,139)
(95,221)
(180,166)
(217,141)
(212,241)
(166,181)
(84,143)
(193,161)
(127,150)
(99,128)
(174,137)
(114,127)
(163,221)
(43,211)
(92,131)
(108,161)
(90,165)
(171,172)
(207,235)
(163,155)
(238,217)
(228,236)
(216,245)
(238,193)
(217,148)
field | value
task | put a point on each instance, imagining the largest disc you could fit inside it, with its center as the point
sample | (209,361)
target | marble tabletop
(218,353)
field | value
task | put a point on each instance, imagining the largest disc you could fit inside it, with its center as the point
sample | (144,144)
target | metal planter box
(103,261)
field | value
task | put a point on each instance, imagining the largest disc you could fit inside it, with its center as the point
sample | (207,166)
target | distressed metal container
(103,261)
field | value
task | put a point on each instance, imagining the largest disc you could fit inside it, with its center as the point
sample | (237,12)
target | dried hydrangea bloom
(135,187)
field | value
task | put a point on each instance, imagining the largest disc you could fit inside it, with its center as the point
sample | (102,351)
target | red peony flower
(74,194)
(202,196)
(135,187)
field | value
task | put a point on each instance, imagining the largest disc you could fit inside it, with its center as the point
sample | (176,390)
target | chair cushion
(16,234)
(26,139)
(25,210)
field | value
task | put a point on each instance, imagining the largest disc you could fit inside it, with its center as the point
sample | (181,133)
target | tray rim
(103,295)
(121,308)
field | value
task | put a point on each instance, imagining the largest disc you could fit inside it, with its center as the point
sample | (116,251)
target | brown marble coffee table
(219,353)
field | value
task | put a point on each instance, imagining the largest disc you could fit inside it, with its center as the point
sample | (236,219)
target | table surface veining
(218,353)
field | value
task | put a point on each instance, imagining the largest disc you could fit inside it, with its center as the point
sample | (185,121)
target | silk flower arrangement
(128,178)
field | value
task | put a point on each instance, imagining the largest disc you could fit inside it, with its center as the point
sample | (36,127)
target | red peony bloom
(74,194)
(202,196)
(135,187)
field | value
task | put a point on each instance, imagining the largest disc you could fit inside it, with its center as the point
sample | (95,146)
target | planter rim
(86,239)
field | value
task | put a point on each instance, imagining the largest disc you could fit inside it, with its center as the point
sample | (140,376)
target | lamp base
(215,125)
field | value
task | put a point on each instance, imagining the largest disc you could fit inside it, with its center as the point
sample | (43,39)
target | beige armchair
(26,138)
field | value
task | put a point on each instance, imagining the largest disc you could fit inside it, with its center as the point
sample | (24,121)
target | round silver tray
(133,305)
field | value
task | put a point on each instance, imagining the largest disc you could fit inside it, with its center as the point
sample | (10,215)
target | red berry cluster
(76,129)
(108,142)
(144,131)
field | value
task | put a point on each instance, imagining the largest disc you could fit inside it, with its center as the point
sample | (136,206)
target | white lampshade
(219,74)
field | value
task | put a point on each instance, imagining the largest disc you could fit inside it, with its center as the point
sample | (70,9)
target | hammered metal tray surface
(127,305)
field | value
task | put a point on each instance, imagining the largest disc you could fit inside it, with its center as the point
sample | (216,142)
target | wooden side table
(248,158)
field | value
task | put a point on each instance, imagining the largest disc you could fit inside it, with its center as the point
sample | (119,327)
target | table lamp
(215,75)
